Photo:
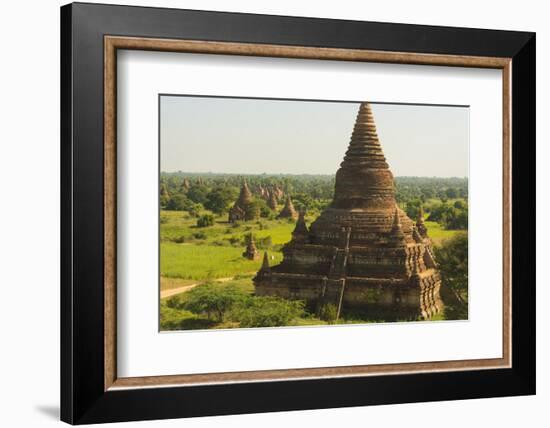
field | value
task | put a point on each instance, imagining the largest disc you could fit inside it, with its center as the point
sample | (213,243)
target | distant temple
(185,185)
(362,252)
(288,210)
(240,211)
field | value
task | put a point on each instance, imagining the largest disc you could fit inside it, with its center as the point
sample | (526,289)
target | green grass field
(438,234)
(202,262)
(198,254)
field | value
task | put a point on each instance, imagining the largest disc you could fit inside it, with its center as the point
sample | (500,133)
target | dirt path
(173,291)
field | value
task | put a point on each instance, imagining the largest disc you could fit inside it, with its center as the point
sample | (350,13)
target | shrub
(205,220)
(194,209)
(267,312)
(328,313)
(235,241)
(179,239)
(213,300)
(199,235)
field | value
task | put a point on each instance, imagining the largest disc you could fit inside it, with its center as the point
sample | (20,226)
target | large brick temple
(363,252)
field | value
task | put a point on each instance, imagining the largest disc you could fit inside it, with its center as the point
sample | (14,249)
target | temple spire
(288,210)
(245,195)
(364,178)
(396,233)
(265,263)
(420,226)
(364,146)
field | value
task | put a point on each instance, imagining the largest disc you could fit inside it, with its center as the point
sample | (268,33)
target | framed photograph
(266,213)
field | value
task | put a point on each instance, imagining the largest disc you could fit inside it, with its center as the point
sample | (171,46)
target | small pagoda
(251,252)
(288,210)
(363,252)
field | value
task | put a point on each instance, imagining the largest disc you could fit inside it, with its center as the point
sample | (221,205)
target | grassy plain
(199,254)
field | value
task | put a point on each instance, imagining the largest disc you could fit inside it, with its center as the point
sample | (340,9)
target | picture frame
(91,391)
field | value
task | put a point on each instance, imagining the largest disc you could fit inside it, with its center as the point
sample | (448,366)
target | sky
(251,136)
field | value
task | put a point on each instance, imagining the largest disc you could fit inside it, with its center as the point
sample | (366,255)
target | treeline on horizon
(443,199)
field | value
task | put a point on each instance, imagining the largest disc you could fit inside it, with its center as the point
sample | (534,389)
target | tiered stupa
(288,210)
(238,212)
(272,201)
(363,252)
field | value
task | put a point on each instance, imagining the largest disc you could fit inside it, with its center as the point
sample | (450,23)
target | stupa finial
(300,232)
(396,229)
(265,264)
(420,226)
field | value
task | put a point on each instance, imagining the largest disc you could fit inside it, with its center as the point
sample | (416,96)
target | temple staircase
(335,283)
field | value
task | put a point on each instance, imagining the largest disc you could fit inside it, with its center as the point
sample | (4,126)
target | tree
(252,210)
(178,203)
(451,193)
(263,208)
(214,300)
(412,208)
(302,201)
(205,220)
(452,258)
(197,193)
(220,199)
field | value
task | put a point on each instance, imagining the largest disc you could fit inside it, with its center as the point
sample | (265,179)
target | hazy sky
(247,136)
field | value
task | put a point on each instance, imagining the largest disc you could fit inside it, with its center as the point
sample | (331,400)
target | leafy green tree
(459,204)
(253,209)
(451,193)
(302,201)
(194,209)
(263,208)
(213,300)
(205,220)
(178,203)
(452,258)
(198,193)
(220,199)
(453,217)
(412,208)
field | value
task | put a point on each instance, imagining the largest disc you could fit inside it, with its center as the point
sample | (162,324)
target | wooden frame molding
(113,43)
